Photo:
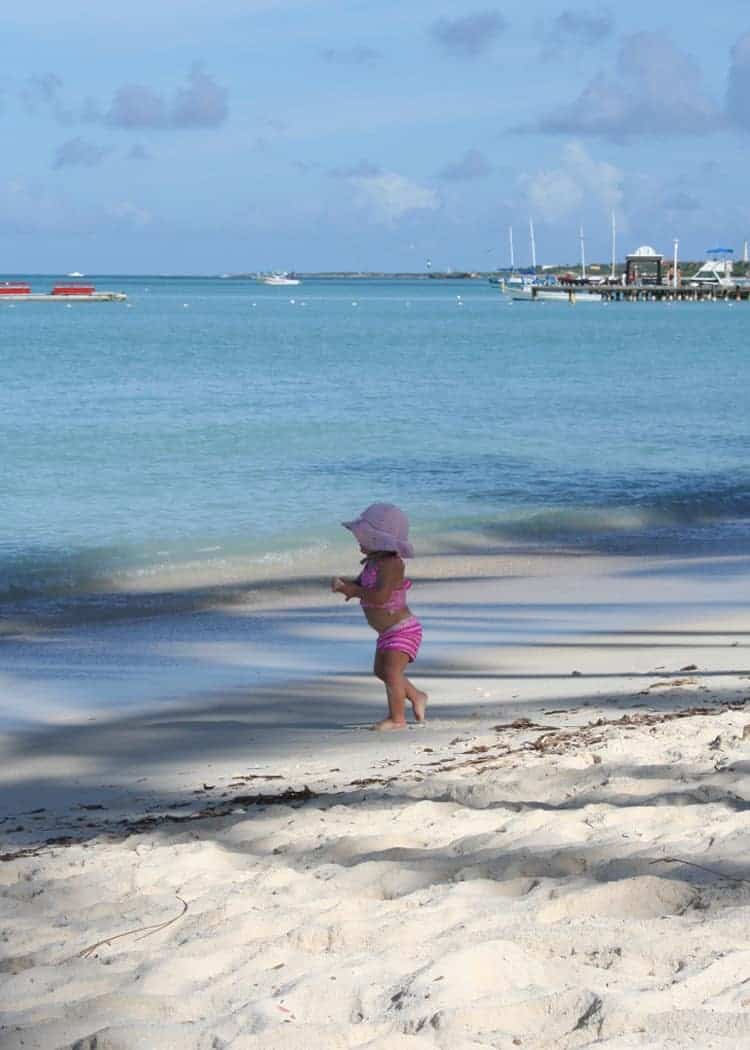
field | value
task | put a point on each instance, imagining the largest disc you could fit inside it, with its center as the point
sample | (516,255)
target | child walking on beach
(382,532)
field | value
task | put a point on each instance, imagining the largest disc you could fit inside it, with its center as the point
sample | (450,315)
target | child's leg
(389,668)
(416,697)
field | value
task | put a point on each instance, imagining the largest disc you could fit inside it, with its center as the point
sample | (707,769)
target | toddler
(382,532)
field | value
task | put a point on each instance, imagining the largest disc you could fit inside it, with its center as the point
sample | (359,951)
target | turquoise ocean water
(212,425)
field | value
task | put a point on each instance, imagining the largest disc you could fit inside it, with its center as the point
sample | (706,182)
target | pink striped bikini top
(369,578)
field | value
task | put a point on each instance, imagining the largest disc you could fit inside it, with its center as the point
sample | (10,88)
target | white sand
(558,859)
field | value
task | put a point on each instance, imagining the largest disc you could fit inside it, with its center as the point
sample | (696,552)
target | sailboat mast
(614,247)
(512,256)
(533,245)
(583,258)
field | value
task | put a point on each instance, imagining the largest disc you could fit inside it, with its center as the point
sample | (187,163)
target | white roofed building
(644,262)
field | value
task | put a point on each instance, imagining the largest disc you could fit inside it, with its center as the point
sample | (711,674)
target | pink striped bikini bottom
(405,636)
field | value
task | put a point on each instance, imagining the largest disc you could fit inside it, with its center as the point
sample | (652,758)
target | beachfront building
(644,266)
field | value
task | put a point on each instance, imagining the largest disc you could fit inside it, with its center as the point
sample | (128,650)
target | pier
(641,293)
(646,293)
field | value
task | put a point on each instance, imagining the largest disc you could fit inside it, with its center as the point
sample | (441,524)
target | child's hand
(340,586)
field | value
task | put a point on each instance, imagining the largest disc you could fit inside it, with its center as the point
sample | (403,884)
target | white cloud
(28,207)
(553,195)
(658,91)
(473,165)
(356,55)
(469,36)
(556,194)
(130,214)
(738,89)
(80,151)
(388,196)
(200,103)
(578,28)
(31,207)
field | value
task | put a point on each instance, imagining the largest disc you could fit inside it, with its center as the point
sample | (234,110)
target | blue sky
(187,137)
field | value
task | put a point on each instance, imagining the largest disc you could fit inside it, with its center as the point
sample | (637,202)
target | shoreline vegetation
(689,268)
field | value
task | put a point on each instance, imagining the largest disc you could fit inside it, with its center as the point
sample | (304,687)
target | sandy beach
(223,856)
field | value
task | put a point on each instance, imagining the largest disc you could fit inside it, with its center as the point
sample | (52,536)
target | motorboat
(278,278)
(716,271)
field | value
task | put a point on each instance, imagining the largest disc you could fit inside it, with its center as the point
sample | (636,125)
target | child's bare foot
(419,705)
(388,724)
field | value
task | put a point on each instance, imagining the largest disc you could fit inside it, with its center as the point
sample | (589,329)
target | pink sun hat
(382,527)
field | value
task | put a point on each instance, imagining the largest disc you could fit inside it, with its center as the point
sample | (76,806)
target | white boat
(278,278)
(549,289)
(535,292)
(716,271)
(75,273)
(513,279)
(515,282)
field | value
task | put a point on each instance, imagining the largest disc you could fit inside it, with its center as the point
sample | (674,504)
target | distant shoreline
(304,275)
(346,275)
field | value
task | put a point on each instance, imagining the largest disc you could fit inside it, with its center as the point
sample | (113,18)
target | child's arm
(341,585)
(390,575)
